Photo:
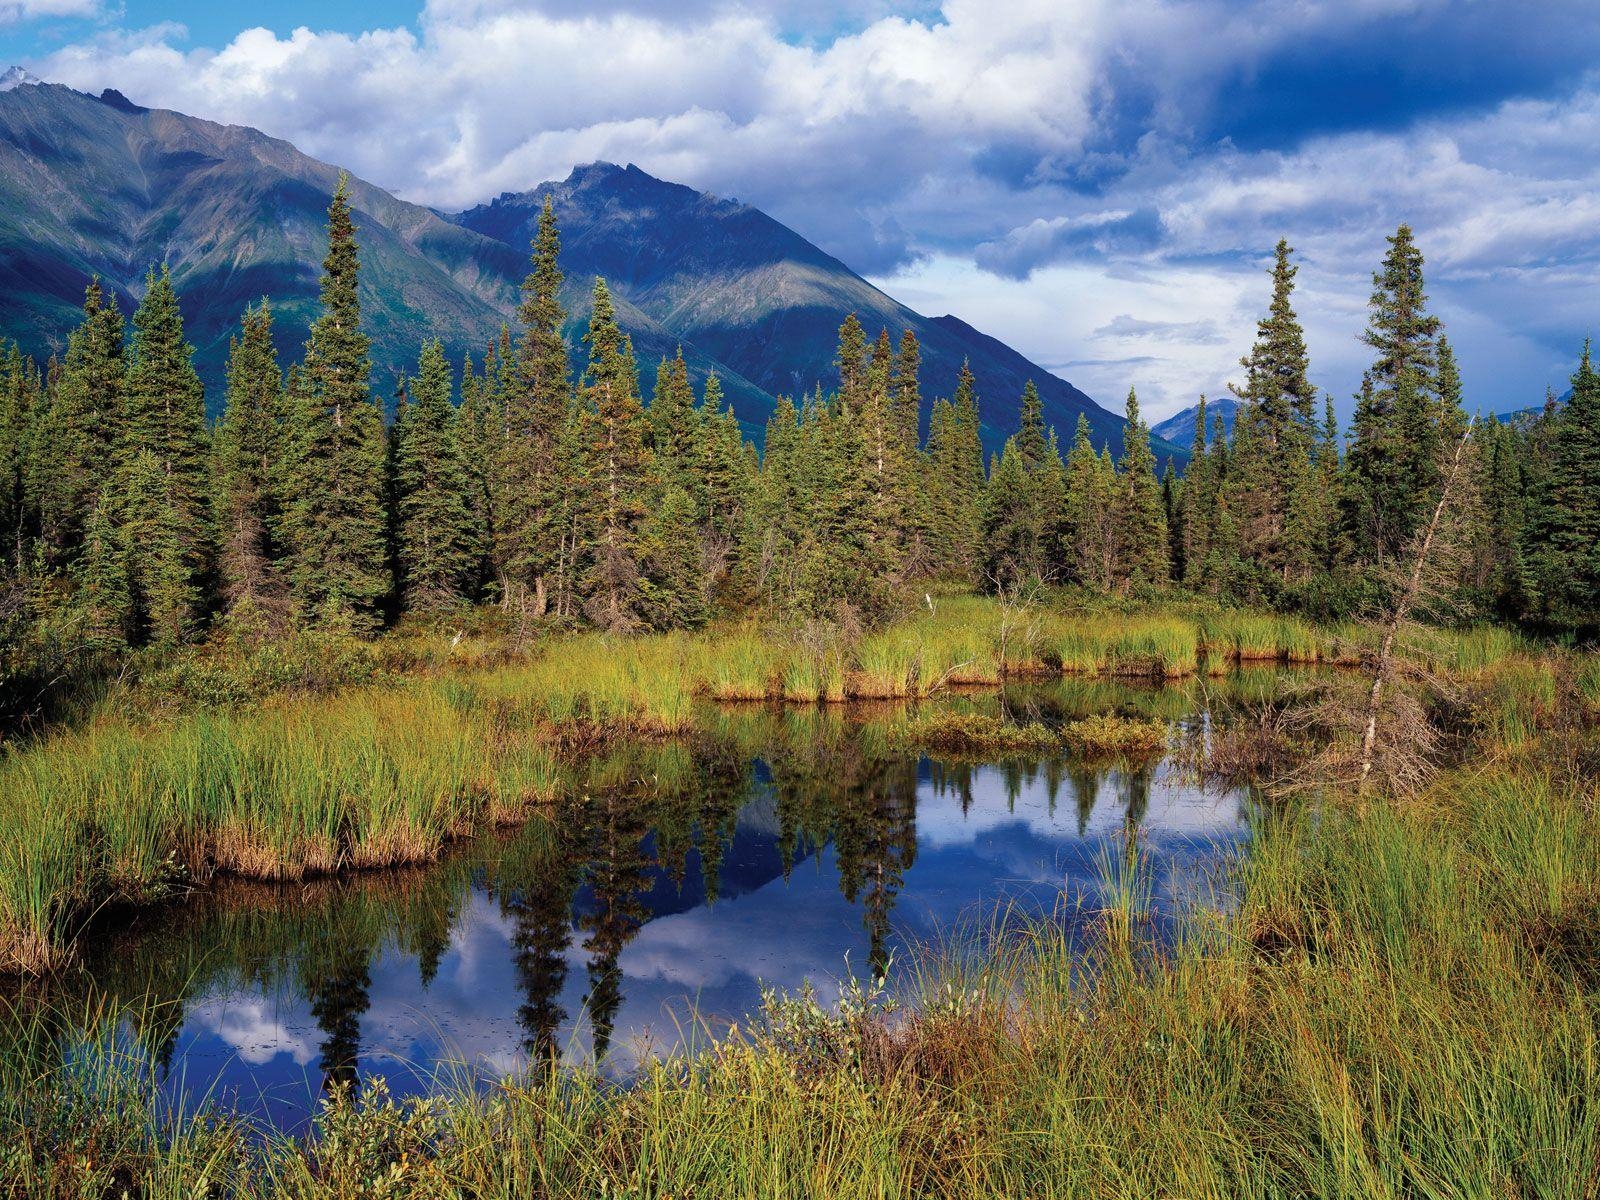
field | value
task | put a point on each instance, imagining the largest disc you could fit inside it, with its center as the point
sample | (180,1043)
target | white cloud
(1062,142)
(14,12)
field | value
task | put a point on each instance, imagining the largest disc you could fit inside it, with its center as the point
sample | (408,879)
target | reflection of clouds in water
(1175,808)
(1012,843)
(255,1027)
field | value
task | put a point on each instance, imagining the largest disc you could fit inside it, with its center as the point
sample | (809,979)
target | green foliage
(250,445)
(1401,422)
(1089,534)
(80,428)
(531,481)
(334,523)
(437,545)
(1273,491)
(619,471)
(1565,525)
(157,551)
(1141,523)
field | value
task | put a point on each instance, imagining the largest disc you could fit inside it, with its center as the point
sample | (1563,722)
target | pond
(645,914)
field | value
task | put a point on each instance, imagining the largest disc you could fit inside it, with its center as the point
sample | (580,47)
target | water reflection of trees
(648,825)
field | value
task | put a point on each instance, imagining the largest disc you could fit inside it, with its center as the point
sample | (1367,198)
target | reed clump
(1116,735)
(971,733)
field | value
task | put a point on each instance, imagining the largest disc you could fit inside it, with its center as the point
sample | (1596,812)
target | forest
(555,496)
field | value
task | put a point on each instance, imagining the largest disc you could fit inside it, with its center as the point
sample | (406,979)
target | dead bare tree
(1405,603)
(1382,732)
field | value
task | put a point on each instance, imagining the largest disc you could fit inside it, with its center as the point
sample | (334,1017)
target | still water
(649,912)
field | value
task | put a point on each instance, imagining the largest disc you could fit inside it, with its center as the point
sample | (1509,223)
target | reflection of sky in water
(691,956)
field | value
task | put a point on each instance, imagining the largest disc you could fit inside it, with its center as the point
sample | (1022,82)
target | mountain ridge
(1179,428)
(101,186)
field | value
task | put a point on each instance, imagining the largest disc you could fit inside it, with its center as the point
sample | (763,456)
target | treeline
(560,496)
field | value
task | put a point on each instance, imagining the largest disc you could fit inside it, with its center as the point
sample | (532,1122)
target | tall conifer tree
(620,472)
(249,451)
(81,428)
(334,520)
(1272,478)
(1140,522)
(1394,454)
(532,504)
(432,492)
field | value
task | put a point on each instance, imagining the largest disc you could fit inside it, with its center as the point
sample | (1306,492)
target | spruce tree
(478,432)
(1089,535)
(165,416)
(532,503)
(1393,461)
(81,428)
(102,598)
(1011,523)
(675,428)
(675,595)
(965,471)
(1564,534)
(619,472)
(164,593)
(768,531)
(852,362)
(1505,491)
(723,482)
(1140,522)
(1032,435)
(1171,490)
(334,523)
(1198,504)
(1273,474)
(906,389)
(437,549)
(250,442)
(20,407)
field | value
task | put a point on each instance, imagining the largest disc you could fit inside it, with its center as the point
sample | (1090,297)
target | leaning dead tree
(1427,547)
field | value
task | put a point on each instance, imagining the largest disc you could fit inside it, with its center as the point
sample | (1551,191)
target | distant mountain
(99,186)
(15,77)
(757,297)
(1179,428)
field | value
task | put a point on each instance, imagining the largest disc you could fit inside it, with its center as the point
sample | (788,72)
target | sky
(1099,183)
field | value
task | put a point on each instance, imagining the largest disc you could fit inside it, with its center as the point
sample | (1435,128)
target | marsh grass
(1109,734)
(1397,1002)
(131,808)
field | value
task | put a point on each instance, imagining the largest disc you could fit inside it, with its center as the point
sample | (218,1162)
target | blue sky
(1099,182)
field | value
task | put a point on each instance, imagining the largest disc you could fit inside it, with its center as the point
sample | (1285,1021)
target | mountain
(757,297)
(1179,428)
(100,186)
(103,187)
(16,77)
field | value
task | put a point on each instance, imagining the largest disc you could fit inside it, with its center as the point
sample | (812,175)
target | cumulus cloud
(1149,151)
